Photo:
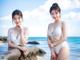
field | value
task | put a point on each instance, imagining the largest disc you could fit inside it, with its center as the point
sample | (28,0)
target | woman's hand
(22,48)
(21,28)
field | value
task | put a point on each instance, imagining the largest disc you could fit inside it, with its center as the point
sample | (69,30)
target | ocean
(74,44)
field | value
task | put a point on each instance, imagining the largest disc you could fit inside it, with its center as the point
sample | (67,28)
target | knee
(13,54)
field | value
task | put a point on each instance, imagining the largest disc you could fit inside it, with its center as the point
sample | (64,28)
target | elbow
(10,45)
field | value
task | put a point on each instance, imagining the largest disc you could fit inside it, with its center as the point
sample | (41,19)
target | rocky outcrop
(33,42)
(31,54)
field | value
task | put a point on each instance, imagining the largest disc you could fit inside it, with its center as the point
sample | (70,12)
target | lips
(17,22)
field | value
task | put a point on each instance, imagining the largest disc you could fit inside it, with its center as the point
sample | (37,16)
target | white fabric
(55,32)
(13,37)
(60,46)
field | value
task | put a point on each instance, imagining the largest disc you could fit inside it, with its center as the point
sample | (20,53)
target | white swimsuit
(56,33)
(14,37)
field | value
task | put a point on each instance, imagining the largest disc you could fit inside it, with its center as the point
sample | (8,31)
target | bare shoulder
(10,29)
(51,24)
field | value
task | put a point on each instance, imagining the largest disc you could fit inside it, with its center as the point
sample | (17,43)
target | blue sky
(36,15)
(7,6)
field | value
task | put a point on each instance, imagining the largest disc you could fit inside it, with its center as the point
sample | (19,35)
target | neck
(16,27)
(57,21)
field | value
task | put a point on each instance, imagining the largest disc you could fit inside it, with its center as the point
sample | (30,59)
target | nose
(17,21)
(54,16)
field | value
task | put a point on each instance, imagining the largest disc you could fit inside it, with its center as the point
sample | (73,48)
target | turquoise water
(74,44)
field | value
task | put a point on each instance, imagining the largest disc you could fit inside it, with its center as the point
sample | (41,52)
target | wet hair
(55,7)
(17,12)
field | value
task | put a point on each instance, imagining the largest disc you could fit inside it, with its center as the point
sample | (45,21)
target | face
(55,14)
(17,20)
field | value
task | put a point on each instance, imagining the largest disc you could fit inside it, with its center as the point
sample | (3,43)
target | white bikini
(57,32)
(14,37)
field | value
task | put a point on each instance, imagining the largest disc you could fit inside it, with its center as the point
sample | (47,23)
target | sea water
(74,44)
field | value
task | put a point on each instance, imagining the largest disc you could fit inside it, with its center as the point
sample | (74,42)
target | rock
(31,54)
(33,42)
(4,39)
(1,42)
(41,52)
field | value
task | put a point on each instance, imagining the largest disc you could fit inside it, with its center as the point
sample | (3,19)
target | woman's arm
(49,43)
(50,38)
(12,45)
(49,33)
(23,36)
(10,42)
(63,37)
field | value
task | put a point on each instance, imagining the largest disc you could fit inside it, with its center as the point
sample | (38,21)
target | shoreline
(1,42)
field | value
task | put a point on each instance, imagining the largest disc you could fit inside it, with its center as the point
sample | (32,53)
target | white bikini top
(14,37)
(55,32)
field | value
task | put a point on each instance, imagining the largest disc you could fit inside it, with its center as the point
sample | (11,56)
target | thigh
(63,54)
(13,54)
(52,57)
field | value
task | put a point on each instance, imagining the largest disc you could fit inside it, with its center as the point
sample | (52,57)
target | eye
(56,12)
(18,17)
(14,19)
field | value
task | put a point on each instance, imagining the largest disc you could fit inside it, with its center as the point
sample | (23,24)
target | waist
(56,43)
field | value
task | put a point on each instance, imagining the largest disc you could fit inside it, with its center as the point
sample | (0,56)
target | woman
(57,35)
(17,35)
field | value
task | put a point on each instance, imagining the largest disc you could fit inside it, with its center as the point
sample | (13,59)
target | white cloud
(5,17)
(38,19)
(3,31)
(71,15)
(73,28)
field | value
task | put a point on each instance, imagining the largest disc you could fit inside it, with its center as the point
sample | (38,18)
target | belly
(56,42)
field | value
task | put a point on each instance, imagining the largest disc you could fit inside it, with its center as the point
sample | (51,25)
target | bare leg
(52,56)
(14,54)
(63,54)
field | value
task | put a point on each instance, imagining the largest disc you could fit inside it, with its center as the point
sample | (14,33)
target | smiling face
(55,15)
(17,17)
(17,20)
